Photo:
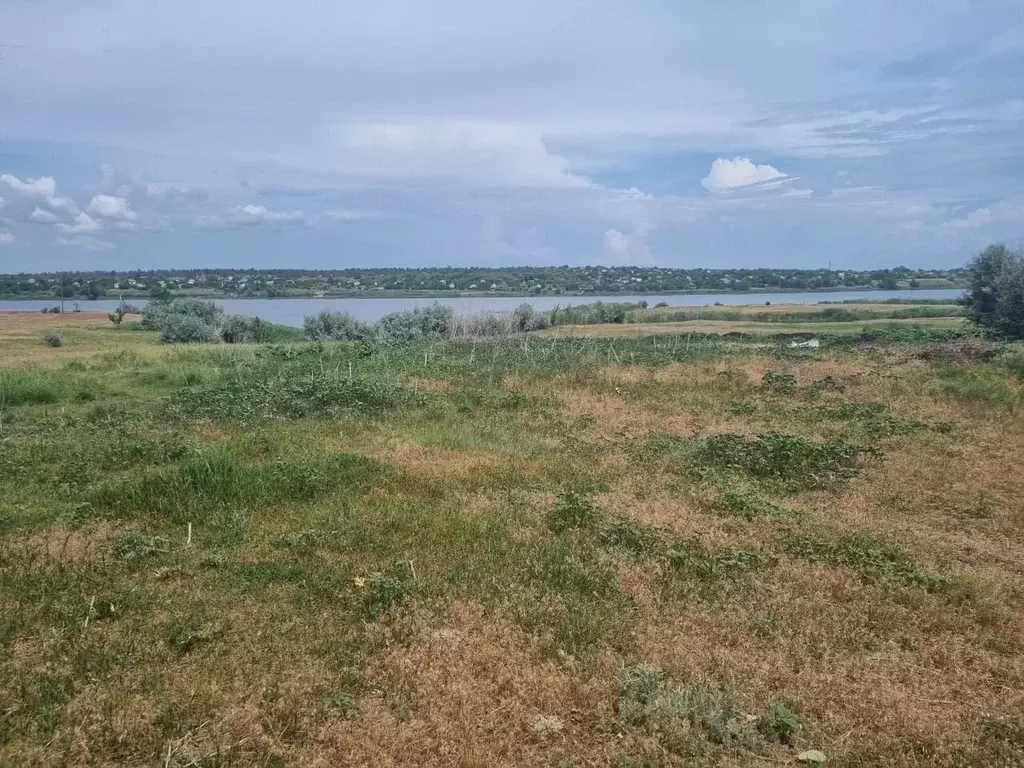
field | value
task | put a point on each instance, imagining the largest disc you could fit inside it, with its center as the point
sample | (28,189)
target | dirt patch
(965,351)
(70,544)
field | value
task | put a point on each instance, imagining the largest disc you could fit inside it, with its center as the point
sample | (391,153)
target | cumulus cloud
(982,217)
(6,238)
(86,242)
(726,175)
(42,216)
(65,204)
(627,247)
(43,187)
(111,207)
(84,223)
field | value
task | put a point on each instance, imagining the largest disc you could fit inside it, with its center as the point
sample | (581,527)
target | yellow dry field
(84,334)
(620,330)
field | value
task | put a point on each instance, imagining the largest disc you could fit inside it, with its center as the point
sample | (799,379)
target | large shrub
(336,326)
(419,323)
(526,318)
(995,295)
(186,329)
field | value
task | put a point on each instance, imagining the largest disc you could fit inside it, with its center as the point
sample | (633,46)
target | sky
(798,133)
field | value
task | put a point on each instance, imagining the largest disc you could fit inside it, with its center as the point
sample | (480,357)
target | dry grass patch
(873,675)
(473,690)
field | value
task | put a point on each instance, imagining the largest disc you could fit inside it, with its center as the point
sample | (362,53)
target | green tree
(995,294)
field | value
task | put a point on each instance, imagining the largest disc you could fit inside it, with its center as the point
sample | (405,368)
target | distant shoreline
(128,296)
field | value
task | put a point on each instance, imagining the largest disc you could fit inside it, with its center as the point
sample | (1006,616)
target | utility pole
(62,295)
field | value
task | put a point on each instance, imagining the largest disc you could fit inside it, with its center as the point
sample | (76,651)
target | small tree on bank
(995,294)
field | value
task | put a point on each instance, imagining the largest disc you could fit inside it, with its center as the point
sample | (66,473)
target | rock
(811,756)
(547,725)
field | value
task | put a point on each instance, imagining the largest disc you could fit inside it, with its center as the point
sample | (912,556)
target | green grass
(298,532)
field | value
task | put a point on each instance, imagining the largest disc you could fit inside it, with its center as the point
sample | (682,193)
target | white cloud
(628,248)
(979,218)
(474,152)
(6,238)
(726,175)
(127,226)
(44,187)
(83,223)
(257,214)
(42,216)
(991,215)
(62,204)
(2,203)
(111,207)
(86,242)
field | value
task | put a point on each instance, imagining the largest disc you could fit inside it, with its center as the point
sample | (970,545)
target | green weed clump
(733,500)
(53,339)
(698,716)
(573,510)
(388,589)
(292,392)
(874,559)
(692,569)
(789,462)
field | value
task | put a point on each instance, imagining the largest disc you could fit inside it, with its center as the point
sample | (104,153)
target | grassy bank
(534,550)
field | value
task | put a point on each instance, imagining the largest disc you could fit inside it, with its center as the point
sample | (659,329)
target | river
(292,311)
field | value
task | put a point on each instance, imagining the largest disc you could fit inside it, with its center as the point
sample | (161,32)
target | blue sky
(711,134)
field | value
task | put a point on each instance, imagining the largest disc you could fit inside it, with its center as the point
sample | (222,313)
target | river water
(292,311)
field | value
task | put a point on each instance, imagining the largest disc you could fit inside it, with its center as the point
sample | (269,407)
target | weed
(342,703)
(780,723)
(874,559)
(387,589)
(639,690)
(779,383)
(133,545)
(185,637)
(693,569)
(573,510)
(790,462)
(53,339)
(733,500)
(633,537)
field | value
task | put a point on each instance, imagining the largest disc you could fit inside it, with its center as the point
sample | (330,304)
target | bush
(336,326)
(420,323)
(526,318)
(995,295)
(186,329)
(52,339)
(242,329)
(156,313)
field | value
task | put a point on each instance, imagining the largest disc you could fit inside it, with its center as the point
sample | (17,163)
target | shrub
(242,329)
(526,318)
(157,313)
(186,329)
(336,326)
(116,317)
(995,295)
(430,322)
(53,339)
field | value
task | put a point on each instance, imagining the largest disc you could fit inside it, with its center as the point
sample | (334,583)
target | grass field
(637,551)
